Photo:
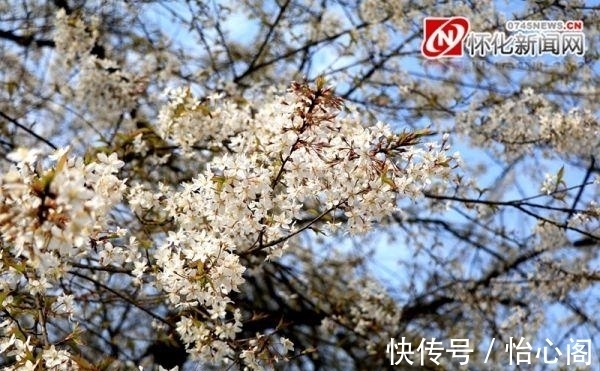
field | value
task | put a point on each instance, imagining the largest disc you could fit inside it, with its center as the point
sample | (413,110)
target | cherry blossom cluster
(100,88)
(269,162)
(49,214)
(528,121)
(51,211)
(73,36)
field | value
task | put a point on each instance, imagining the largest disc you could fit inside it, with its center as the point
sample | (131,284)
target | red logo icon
(443,37)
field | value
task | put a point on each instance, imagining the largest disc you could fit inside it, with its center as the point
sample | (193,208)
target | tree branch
(28,130)
(26,40)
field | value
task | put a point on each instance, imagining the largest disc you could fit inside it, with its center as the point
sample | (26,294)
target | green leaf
(560,175)
(320,82)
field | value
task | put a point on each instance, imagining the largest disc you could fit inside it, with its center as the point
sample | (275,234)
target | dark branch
(28,130)
(26,40)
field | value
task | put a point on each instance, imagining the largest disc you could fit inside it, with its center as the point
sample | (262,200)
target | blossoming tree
(224,195)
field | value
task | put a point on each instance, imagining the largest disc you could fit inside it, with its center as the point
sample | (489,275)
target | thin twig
(28,130)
